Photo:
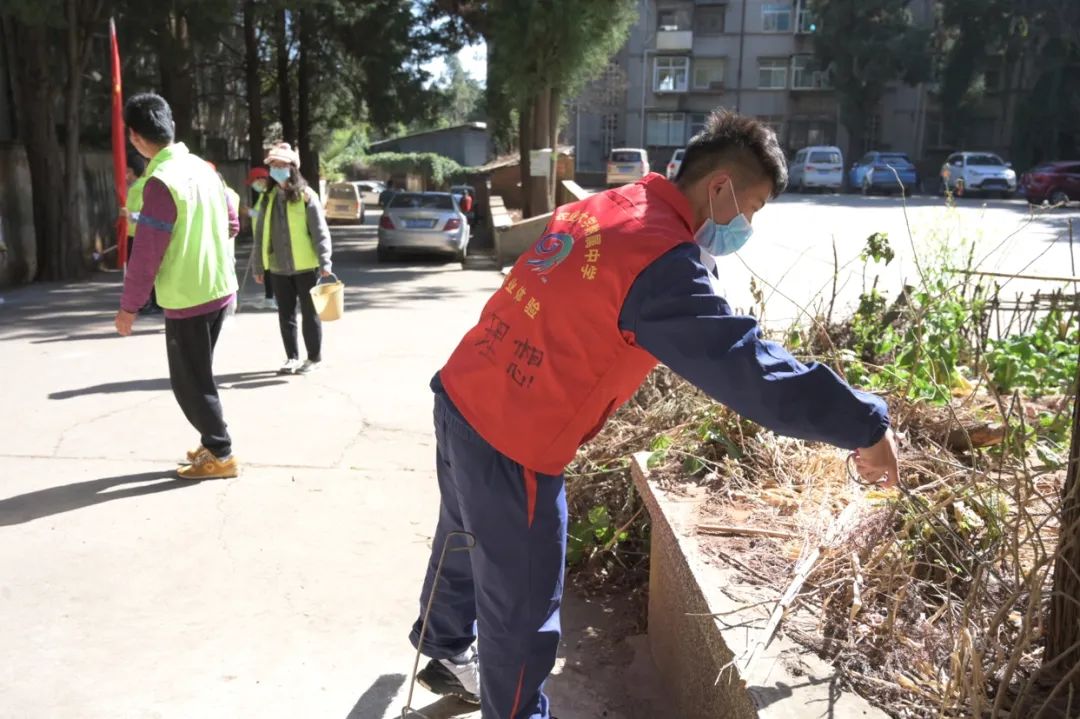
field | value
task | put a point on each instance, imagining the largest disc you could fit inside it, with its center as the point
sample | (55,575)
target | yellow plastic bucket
(329,298)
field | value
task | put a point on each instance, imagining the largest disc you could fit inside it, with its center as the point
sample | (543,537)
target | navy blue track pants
(508,588)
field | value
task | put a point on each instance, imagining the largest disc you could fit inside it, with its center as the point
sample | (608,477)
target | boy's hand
(879,461)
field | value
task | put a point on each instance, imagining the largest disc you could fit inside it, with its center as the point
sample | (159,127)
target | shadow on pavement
(238,380)
(84,310)
(373,703)
(765,695)
(27,507)
(111,335)
(445,708)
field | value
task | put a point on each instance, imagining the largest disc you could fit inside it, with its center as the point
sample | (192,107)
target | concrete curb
(696,629)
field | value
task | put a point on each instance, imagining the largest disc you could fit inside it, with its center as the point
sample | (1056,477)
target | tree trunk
(854,120)
(537,190)
(254,85)
(288,126)
(308,161)
(68,263)
(1063,630)
(525,113)
(30,51)
(23,262)
(176,62)
(554,114)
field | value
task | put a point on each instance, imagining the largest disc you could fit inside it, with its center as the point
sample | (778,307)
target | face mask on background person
(719,240)
(280,174)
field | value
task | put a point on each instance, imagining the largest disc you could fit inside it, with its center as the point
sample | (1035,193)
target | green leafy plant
(440,170)
(1042,361)
(592,533)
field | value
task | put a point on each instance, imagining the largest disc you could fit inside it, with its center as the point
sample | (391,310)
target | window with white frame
(805,22)
(772,73)
(665,129)
(709,74)
(805,74)
(776,17)
(697,123)
(671,74)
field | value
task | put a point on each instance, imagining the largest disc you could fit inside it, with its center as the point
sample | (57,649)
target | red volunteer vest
(547,364)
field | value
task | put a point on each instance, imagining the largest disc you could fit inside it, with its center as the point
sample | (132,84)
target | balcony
(675,40)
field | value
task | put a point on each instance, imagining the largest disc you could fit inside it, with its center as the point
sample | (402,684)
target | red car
(1054,182)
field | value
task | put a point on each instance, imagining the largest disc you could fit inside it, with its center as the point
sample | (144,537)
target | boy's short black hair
(150,116)
(739,142)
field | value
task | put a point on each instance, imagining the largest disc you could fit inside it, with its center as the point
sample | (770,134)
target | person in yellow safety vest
(182,233)
(295,246)
(136,178)
(258,179)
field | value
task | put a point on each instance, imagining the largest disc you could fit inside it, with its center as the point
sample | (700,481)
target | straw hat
(283,152)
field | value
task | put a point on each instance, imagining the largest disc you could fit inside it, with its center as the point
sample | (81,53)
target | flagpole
(119,147)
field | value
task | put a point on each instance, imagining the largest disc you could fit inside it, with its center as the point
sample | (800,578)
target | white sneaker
(458,677)
(269,303)
(290,367)
(308,367)
(258,303)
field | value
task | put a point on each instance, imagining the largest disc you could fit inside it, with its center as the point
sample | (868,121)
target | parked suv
(819,166)
(875,173)
(675,164)
(1054,182)
(966,173)
(626,165)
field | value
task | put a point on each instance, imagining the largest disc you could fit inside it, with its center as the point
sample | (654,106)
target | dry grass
(932,600)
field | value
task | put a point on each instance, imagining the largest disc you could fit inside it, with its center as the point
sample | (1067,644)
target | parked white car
(675,164)
(967,173)
(429,222)
(369,190)
(817,166)
(626,165)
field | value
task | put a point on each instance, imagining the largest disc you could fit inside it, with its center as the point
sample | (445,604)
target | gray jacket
(281,257)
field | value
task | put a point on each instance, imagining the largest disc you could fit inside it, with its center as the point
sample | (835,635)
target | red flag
(119,147)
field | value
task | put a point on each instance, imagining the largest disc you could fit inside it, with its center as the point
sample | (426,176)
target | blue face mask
(280,174)
(719,240)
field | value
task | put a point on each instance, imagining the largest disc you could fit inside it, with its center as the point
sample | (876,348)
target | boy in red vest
(619,281)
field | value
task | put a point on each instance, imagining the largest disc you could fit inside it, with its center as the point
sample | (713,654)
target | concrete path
(286,593)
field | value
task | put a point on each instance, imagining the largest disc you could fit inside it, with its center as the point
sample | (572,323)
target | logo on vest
(550,250)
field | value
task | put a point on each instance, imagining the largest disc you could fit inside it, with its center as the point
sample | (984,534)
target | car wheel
(383,254)
(1006,194)
(462,254)
(1059,197)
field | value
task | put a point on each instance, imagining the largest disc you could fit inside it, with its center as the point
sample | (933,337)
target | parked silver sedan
(423,222)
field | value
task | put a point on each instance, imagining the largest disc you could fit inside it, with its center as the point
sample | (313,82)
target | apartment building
(685,58)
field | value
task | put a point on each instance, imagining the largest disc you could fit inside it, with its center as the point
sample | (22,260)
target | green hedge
(440,170)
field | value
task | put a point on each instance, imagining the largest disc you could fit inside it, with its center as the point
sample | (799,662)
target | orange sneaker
(207,466)
(192,454)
